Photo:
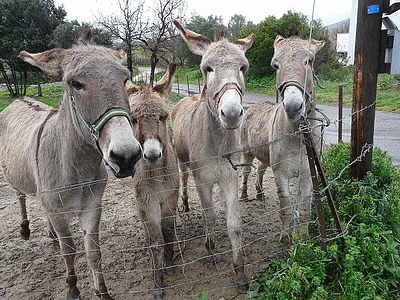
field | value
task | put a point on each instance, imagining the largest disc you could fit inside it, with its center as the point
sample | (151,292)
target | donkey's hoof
(243,287)
(285,240)
(212,261)
(170,270)
(25,232)
(73,294)
(158,295)
(104,296)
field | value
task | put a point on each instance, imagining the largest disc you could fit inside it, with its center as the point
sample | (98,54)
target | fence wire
(33,269)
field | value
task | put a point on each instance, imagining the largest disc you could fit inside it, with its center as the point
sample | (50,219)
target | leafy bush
(369,266)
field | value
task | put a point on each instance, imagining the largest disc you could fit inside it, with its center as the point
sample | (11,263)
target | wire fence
(34,269)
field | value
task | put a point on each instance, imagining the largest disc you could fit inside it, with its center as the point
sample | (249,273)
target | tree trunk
(38,84)
(153,61)
(24,77)
(8,83)
(15,81)
(129,57)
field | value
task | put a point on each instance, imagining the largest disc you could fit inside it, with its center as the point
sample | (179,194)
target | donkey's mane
(221,34)
(85,37)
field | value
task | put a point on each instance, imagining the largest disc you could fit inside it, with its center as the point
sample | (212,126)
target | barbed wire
(260,229)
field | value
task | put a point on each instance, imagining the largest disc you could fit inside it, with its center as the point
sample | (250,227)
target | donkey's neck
(77,146)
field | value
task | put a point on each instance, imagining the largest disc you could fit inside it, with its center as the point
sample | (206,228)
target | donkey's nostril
(114,157)
(241,113)
(223,114)
(152,156)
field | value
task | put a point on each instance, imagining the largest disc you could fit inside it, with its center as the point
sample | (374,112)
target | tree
(236,24)
(125,25)
(65,34)
(24,25)
(158,38)
(262,51)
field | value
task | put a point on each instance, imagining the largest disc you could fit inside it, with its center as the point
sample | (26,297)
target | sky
(253,10)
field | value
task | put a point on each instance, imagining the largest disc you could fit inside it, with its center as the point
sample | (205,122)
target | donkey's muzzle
(126,165)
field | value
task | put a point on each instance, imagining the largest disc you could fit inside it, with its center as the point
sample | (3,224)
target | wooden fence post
(177,81)
(188,88)
(340,128)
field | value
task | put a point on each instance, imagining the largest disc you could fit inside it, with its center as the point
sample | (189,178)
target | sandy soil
(33,269)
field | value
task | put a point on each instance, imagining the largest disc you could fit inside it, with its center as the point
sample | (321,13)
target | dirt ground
(33,269)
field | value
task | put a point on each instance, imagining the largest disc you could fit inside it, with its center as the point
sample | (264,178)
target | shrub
(369,266)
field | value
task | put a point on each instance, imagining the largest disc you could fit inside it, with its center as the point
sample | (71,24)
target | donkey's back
(20,124)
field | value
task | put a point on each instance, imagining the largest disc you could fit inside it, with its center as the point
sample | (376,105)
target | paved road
(387,125)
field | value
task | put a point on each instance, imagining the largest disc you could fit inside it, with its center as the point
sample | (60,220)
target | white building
(395,18)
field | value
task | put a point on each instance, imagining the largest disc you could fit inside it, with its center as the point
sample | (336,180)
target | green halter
(95,128)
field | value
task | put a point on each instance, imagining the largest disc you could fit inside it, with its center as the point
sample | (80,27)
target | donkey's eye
(209,69)
(243,69)
(275,66)
(77,85)
(162,118)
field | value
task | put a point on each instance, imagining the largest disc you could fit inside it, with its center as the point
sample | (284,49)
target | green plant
(369,266)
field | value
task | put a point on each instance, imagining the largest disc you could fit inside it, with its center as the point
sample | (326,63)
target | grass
(51,95)
(387,97)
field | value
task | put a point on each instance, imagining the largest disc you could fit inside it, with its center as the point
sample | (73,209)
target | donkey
(203,127)
(278,124)
(156,181)
(58,155)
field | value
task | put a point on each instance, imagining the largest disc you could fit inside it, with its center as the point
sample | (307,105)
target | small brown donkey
(156,181)
(60,155)
(278,124)
(203,127)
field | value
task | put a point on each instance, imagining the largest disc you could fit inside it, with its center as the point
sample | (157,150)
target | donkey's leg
(261,168)
(68,250)
(205,192)
(53,234)
(168,213)
(247,159)
(282,184)
(229,194)
(150,215)
(89,220)
(25,231)
(185,177)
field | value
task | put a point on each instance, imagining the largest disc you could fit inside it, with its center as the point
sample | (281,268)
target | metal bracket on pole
(392,8)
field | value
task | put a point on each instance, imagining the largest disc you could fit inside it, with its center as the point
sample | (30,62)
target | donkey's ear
(119,55)
(131,88)
(317,45)
(50,61)
(278,40)
(197,43)
(164,86)
(245,44)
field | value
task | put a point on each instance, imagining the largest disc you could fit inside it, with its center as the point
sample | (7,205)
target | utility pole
(366,59)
